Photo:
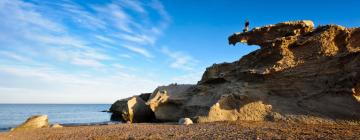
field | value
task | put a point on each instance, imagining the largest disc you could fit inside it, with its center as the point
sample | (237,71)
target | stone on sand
(56,125)
(185,121)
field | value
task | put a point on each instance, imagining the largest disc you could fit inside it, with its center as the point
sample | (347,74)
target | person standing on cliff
(246,28)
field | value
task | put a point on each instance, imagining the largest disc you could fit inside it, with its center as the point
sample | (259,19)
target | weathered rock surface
(132,109)
(299,74)
(38,121)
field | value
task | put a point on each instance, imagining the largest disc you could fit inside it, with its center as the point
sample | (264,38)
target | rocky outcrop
(132,109)
(38,121)
(299,74)
(266,35)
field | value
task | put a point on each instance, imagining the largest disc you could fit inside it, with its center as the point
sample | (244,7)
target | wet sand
(220,130)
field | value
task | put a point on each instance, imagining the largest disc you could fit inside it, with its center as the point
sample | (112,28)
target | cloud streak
(139,50)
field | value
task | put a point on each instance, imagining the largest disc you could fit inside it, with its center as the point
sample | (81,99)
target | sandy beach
(220,130)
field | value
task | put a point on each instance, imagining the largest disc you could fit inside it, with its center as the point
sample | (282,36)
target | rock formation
(299,74)
(38,121)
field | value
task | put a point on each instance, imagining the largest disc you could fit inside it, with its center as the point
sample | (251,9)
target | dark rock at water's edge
(108,111)
(116,117)
(5,129)
(299,74)
(133,109)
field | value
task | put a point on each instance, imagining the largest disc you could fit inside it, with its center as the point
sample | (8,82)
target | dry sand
(220,130)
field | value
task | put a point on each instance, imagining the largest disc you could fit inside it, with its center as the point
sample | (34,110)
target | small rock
(56,125)
(185,121)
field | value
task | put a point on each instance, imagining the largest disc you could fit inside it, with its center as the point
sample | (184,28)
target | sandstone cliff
(299,74)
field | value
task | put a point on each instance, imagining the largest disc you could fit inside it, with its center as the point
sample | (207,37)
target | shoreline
(215,130)
(74,125)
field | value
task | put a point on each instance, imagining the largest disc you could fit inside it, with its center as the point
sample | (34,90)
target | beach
(12,115)
(186,69)
(217,130)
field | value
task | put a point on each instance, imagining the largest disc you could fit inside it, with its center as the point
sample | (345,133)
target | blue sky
(97,51)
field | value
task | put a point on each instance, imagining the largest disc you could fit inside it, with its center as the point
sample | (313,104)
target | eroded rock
(267,34)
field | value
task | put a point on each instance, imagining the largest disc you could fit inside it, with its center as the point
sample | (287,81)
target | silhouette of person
(246,28)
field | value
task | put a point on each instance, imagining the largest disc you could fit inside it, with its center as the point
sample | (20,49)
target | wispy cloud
(105,39)
(69,39)
(134,5)
(14,56)
(83,17)
(25,24)
(32,30)
(156,4)
(87,62)
(116,16)
(139,50)
(180,60)
(141,39)
(125,55)
(15,12)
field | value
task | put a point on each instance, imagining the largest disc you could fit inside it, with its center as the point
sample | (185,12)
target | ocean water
(12,115)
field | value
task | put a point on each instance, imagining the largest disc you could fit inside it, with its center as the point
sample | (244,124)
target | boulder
(185,121)
(37,121)
(132,109)
(166,100)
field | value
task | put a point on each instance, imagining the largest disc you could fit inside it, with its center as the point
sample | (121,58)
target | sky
(98,51)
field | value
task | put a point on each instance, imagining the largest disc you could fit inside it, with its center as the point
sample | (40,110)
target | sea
(12,115)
